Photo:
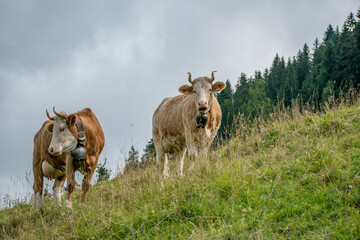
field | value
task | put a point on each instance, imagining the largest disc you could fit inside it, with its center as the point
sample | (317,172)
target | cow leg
(38,187)
(180,161)
(192,150)
(192,159)
(70,174)
(162,163)
(203,154)
(193,154)
(57,189)
(87,178)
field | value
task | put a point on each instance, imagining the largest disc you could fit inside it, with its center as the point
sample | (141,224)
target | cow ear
(218,86)
(50,127)
(72,120)
(186,89)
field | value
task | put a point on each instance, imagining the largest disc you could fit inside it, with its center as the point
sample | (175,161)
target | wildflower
(116,195)
(85,228)
(322,175)
(134,201)
(238,180)
(305,204)
(347,150)
(270,180)
(163,197)
(170,209)
(190,179)
(314,151)
(64,226)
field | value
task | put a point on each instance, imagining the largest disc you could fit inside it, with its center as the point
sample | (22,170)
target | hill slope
(288,177)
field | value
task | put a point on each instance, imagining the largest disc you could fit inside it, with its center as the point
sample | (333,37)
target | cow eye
(62,129)
(210,90)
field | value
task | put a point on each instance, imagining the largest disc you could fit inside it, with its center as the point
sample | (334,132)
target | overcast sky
(121,58)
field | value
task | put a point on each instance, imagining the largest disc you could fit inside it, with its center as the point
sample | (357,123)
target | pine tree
(275,79)
(149,153)
(258,103)
(241,95)
(290,88)
(348,52)
(225,99)
(357,51)
(132,162)
(330,61)
(302,68)
(103,172)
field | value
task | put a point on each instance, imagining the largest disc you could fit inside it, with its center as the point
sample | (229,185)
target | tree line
(330,67)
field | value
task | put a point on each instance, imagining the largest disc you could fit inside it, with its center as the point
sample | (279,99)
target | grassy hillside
(291,176)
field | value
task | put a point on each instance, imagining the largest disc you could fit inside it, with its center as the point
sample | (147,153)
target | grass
(291,176)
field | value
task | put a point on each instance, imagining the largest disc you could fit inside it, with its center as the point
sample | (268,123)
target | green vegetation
(330,67)
(291,176)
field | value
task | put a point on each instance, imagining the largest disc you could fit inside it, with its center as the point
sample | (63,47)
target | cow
(174,128)
(54,147)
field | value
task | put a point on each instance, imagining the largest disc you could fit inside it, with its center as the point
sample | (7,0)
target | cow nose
(202,104)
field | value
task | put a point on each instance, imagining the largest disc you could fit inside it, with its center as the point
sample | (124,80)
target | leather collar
(79,153)
(81,133)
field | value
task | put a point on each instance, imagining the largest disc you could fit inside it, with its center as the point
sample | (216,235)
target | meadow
(292,175)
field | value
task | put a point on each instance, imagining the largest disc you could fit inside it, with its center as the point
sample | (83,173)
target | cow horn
(48,115)
(190,77)
(212,76)
(62,114)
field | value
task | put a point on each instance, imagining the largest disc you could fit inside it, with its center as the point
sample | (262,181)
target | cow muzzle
(202,107)
(55,151)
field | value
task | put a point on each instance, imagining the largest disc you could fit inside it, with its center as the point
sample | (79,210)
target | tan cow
(54,147)
(174,127)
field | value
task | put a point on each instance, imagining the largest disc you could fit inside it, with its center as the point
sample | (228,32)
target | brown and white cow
(174,128)
(52,159)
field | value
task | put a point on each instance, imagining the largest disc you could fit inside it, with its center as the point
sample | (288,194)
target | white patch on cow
(62,141)
(57,195)
(203,93)
(51,172)
(37,201)
(180,162)
(68,204)
(82,171)
(180,166)
(206,132)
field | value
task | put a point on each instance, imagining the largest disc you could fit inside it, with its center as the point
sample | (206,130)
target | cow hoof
(68,203)
(165,175)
